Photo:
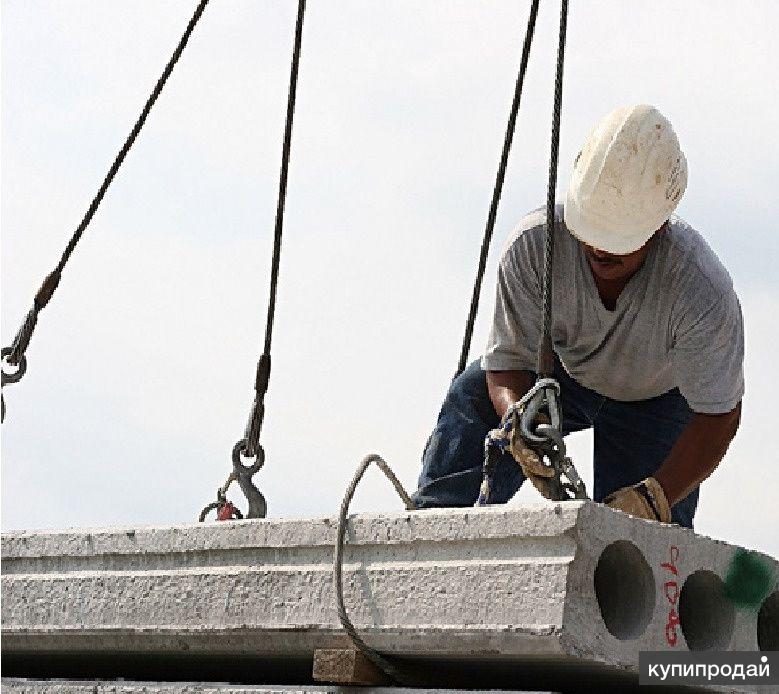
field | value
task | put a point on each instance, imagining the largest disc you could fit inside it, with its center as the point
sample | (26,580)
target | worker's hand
(643,500)
(541,476)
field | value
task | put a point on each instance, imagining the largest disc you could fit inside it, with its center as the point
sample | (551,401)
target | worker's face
(609,266)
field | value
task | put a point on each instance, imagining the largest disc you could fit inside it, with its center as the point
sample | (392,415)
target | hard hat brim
(600,234)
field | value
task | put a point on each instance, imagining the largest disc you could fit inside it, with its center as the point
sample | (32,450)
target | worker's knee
(683,512)
(471,383)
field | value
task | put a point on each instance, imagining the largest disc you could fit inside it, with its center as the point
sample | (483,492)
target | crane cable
(15,354)
(545,438)
(249,447)
(545,348)
(394,671)
(390,667)
(497,190)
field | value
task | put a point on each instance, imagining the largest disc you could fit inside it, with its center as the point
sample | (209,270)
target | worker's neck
(610,289)
(612,272)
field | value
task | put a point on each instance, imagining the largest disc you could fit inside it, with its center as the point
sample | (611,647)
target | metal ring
(543,393)
(21,367)
(528,418)
(553,405)
(239,467)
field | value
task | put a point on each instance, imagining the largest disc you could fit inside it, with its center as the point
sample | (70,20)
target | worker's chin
(608,271)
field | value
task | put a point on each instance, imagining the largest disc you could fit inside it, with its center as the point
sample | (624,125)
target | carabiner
(542,396)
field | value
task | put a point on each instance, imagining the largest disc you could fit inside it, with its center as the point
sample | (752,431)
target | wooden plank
(346,666)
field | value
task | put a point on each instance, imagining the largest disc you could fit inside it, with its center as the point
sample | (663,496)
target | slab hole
(705,613)
(768,624)
(625,589)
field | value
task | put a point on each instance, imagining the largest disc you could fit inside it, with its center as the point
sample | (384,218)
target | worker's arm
(506,387)
(697,452)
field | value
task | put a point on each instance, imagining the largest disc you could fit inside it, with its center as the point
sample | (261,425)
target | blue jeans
(632,439)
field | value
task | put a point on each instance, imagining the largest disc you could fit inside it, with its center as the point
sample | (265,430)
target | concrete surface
(575,583)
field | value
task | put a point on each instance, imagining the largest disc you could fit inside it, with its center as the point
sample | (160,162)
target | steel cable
(545,354)
(395,673)
(497,190)
(545,366)
(16,353)
(262,378)
(249,446)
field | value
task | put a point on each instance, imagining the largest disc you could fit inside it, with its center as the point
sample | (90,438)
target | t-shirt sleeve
(708,356)
(515,331)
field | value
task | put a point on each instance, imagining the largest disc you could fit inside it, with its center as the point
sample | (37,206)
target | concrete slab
(573,582)
(26,686)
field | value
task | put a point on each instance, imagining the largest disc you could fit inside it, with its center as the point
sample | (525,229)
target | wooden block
(346,666)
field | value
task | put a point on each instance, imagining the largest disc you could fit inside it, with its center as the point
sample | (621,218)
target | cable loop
(221,500)
(10,377)
(213,506)
(391,668)
(224,509)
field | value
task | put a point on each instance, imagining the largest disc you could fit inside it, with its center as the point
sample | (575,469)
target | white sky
(140,370)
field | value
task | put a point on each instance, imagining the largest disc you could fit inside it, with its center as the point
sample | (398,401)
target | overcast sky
(140,370)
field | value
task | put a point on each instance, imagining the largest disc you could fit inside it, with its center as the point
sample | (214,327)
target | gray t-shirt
(677,322)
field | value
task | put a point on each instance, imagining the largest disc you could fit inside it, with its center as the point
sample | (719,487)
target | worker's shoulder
(527,237)
(691,260)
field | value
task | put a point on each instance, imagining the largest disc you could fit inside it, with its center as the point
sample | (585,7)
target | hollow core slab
(573,582)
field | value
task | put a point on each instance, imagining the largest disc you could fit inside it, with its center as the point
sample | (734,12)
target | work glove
(541,476)
(643,500)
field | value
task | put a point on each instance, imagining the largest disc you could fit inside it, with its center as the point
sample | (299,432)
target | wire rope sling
(248,455)
(537,416)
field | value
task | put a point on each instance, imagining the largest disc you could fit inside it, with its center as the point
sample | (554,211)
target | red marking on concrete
(671,592)
(671,566)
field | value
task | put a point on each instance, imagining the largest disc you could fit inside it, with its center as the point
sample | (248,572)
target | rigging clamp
(536,421)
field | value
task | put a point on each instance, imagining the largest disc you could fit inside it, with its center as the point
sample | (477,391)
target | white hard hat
(626,181)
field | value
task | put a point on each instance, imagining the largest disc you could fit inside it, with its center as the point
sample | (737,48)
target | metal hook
(564,468)
(243,474)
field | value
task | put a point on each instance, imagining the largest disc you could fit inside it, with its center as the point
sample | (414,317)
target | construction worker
(647,333)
